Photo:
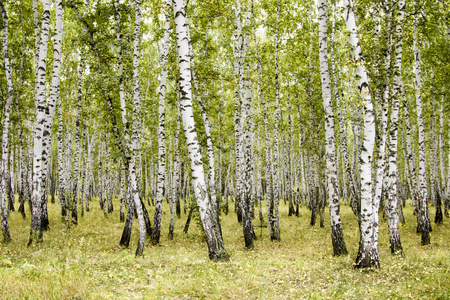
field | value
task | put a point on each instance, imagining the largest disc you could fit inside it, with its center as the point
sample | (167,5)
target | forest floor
(89,264)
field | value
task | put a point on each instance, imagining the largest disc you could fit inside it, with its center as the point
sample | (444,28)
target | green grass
(90,265)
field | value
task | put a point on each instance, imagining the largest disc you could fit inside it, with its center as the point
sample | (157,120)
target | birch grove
(276,108)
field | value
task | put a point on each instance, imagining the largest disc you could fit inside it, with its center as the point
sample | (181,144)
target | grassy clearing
(90,265)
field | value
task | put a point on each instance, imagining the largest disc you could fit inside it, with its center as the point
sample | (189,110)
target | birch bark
(424,224)
(239,87)
(268,160)
(212,231)
(392,201)
(161,128)
(6,121)
(44,116)
(337,236)
(276,152)
(368,256)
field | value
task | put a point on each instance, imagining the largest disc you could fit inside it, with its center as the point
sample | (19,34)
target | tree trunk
(161,130)
(368,254)
(212,232)
(238,96)
(424,225)
(337,236)
(276,152)
(6,120)
(44,117)
(391,207)
(268,164)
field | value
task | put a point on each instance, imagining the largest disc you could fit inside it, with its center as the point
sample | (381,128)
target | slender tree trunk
(337,236)
(391,207)
(161,129)
(6,120)
(238,95)
(246,185)
(212,231)
(368,254)
(447,204)
(276,152)
(44,117)
(123,194)
(61,169)
(209,145)
(268,164)
(424,225)
(177,184)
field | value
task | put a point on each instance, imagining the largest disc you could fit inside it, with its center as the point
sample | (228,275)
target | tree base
(367,260)
(337,238)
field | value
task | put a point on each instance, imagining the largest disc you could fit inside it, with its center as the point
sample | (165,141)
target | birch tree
(424,220)
(211,229)
(161,130)
(276,152)
(337,235)
(368,253)
(6,121)
(44,114)
(391,206)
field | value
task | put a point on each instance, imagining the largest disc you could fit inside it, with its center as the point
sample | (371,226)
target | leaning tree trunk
(212,231)
(209,145)
(337,236)
(368,256)
(6,118)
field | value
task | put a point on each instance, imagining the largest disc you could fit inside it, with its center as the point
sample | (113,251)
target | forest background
(174,110)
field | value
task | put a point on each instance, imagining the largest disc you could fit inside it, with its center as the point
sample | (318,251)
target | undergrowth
(89,264)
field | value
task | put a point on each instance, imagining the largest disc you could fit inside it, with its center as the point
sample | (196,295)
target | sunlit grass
(89,264)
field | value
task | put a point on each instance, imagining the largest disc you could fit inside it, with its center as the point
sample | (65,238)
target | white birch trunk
(44,116)
(207,124)
(135,137)
(161,129)
(6,121)
(392,201)
(337,235)
(447,201)
(268,164)
(368,256)
(276,151)
(424,225)
(212,232)
(238,95)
